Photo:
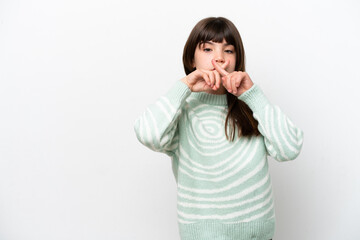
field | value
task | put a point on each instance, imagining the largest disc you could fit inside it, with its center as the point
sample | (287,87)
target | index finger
(218,68)
(224,66)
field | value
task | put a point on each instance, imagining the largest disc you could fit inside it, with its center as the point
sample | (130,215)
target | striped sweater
(224,189)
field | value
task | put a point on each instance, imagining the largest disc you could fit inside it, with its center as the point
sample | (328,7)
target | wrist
(185,80)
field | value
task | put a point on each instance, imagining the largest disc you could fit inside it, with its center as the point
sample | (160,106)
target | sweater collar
(212,99)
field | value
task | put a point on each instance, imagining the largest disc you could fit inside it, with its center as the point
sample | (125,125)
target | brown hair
(216,29)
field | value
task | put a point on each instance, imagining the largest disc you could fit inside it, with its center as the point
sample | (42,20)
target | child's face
(221,52)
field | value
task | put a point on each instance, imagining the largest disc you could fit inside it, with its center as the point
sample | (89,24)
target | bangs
(216,31)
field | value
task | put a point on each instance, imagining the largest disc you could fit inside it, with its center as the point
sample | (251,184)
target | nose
(219,57)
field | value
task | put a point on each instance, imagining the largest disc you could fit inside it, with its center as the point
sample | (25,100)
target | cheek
(232,65)
(232,60)
(201,61)
(205,62)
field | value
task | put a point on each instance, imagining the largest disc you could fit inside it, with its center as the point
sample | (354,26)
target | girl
(224,189)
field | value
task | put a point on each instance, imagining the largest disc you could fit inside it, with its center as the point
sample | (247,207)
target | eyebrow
(226,44)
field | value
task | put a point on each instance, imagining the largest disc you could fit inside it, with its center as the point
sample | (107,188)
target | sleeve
(157,126)
(283,140)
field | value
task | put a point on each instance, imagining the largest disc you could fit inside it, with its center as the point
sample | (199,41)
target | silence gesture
(202,80)
(236,82)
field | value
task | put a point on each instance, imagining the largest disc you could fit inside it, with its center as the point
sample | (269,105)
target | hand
(236,82)
(202,80)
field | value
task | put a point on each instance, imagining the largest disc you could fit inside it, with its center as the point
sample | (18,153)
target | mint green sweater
(224,189)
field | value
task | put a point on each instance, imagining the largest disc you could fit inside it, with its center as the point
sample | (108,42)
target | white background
(74,75)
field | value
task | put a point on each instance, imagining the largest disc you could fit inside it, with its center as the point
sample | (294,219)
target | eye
(207,49)
(229,51)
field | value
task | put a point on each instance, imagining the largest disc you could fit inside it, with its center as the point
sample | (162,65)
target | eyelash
(229,51)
